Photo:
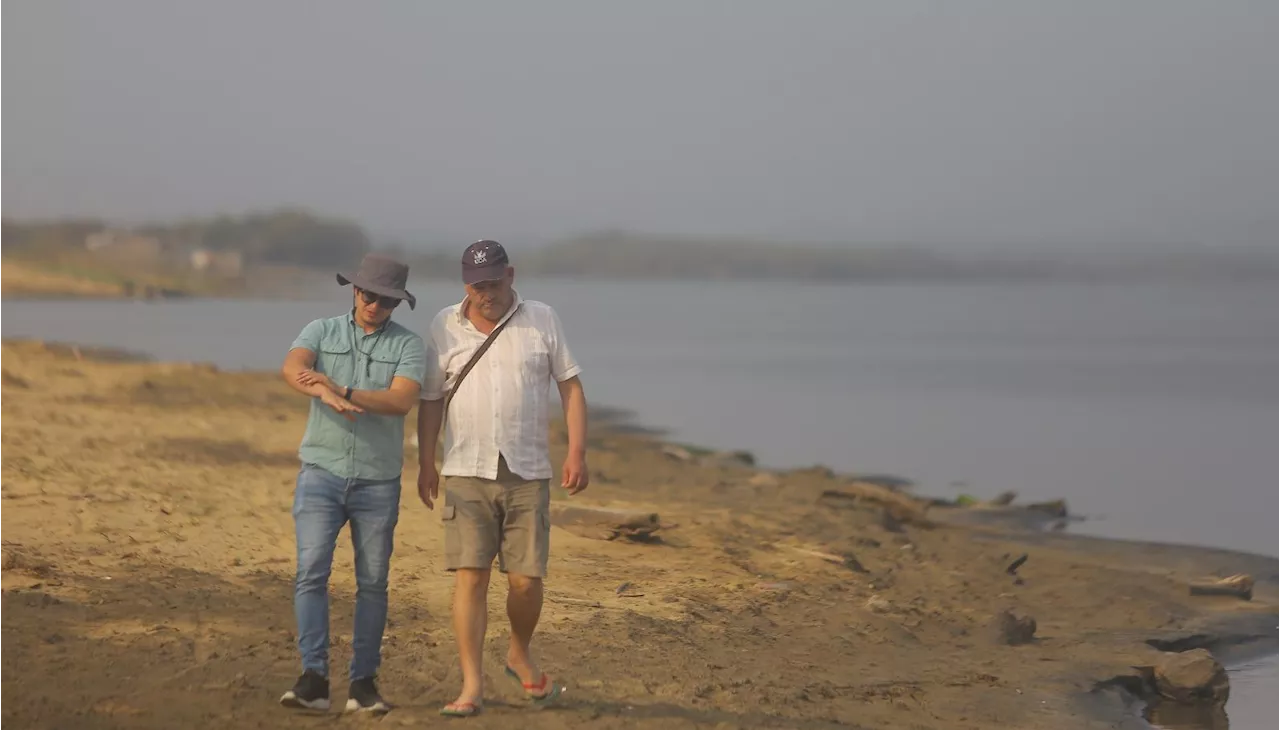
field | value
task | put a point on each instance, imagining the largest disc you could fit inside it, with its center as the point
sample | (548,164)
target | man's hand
(308,378)
(574,477)
(574,473)
(429,486)
(340,405)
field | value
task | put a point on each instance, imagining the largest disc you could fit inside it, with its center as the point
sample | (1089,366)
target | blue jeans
(322,504)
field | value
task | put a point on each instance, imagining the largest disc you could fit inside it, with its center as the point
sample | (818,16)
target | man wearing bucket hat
(492,358)
(363,373)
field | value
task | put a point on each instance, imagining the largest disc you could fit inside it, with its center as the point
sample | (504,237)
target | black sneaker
(363,697)
(310,692)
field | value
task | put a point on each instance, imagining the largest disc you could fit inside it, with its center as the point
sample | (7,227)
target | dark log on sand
(602,523)
(899,506)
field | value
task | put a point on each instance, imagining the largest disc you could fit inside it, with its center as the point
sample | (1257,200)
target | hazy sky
(1034,123)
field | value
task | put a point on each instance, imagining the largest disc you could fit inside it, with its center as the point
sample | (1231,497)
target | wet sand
(148,562)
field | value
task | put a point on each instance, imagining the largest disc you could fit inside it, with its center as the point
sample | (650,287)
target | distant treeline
(625,255)
(286,236)
(31,236)
(622,255)
(300,238)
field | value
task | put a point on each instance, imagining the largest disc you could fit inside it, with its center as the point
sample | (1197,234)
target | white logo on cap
(481,256)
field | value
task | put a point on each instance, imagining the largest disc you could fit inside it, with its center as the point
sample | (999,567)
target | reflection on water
(1194,717)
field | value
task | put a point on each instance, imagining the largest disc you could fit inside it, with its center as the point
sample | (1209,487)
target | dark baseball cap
(484,261)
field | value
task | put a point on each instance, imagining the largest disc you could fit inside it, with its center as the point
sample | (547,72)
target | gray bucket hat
(381,275)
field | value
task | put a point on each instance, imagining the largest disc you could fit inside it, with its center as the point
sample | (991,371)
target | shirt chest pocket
(537,360)
(335,359)
(380,368)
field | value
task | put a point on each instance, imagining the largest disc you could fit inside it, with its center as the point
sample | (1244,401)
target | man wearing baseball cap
(497,467)
(363,374)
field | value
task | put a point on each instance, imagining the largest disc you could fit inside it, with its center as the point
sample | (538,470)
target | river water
(1152,409)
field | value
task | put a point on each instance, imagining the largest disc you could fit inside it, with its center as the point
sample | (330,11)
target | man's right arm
(430,416)
(431,405)
(299,359)
(302,356)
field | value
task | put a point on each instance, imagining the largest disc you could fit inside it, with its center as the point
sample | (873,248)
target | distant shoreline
(242,293)
(262,249)
(26,279)
(33,278)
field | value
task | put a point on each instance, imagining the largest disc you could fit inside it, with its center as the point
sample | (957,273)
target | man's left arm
(397,400)
(573,398)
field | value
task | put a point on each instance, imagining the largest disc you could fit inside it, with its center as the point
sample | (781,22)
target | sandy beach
(28,281)
(148,564)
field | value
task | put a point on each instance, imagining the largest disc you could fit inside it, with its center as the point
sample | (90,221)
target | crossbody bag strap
(472,362)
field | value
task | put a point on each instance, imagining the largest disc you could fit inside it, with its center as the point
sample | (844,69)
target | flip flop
(461,709)
(538,692)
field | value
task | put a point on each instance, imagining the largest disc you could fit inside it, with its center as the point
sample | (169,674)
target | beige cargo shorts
(508,518)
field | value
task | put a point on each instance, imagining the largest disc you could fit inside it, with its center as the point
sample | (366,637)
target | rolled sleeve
(563,366)
(413,361)
(310,336)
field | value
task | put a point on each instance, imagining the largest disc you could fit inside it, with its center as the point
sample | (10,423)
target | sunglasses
(384,302)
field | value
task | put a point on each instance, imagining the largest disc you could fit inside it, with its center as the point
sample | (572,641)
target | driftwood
(847,560)
(829,557)
(898,506)
(679,453)
(575,601)
(602,523)
(1239,585)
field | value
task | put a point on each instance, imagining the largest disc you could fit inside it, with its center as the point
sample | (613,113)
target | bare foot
(460,708)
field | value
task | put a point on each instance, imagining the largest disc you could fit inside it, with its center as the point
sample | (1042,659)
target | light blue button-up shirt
(372,446)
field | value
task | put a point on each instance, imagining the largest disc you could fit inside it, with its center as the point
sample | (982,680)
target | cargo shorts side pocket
(542,541)
(452,541)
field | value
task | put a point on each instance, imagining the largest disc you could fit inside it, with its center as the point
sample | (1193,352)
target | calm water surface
(1151,408)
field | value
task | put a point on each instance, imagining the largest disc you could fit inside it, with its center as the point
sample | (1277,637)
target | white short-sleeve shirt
(503,405)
